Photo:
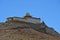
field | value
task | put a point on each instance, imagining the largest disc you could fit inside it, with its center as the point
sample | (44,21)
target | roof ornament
(28,14)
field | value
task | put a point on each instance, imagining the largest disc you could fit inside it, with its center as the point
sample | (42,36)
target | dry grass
(23,35)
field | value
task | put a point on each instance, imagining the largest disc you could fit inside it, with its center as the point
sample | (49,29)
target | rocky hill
(25,34)
(27,31)
(26,28)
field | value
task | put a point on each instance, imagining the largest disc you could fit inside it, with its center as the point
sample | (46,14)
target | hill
(26,28)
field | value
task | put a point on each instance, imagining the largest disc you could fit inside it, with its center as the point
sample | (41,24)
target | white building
(26,18)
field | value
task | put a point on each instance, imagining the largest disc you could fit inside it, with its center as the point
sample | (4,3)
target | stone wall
(31,20)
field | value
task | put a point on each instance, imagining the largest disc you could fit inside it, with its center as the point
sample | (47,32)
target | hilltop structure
(26,18)
(26,28)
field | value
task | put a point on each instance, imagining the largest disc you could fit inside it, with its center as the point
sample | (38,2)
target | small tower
(27,15)
(10,19)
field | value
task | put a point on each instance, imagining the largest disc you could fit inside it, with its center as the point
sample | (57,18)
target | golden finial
(28,14)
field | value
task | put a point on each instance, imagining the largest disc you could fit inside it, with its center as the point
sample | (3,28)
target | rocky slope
(26,31)
(24,34)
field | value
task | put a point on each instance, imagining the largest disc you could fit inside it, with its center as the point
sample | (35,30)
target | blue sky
(47,10)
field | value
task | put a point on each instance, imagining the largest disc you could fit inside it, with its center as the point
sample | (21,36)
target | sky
(47,10)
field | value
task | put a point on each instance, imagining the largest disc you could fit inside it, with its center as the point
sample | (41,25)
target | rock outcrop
(26,31)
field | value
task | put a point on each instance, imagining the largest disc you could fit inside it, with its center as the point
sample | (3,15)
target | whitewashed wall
(33,20)
(27,20)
